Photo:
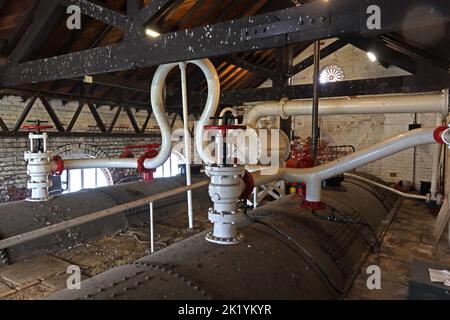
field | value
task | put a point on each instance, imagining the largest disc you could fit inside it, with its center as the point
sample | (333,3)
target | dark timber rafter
(312,21)
(44,19)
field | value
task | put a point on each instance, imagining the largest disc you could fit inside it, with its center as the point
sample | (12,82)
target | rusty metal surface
(311,259)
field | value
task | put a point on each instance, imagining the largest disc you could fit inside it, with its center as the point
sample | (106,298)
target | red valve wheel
(147,173)
(59,165)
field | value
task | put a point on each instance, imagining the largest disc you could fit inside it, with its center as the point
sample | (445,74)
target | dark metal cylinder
(293,255)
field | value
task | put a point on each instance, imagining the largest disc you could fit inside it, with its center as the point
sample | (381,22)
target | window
(331,73)
(171,167)
(75,180)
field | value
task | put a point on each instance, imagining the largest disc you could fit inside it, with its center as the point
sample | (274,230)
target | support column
(285,58)
(315,135)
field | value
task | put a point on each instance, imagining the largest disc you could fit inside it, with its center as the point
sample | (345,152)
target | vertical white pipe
(187,142)
(436,162)
(152,242)
(255,197)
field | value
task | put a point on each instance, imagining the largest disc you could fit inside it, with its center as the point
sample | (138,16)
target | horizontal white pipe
(126,163)
(402,194)
(45,231)
(313,177)
(375,104)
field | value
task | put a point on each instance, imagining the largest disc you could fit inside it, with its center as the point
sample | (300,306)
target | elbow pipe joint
(442,135)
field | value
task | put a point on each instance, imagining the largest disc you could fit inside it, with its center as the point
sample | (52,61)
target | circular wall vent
(331,73)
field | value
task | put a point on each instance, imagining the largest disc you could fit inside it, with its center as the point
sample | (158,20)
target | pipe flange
(38,155)
(224,217)
(42,199)
(224,241)
(313,205)
(281,106)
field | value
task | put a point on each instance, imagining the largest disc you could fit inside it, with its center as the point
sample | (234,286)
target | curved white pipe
(225,110)
(402,194)
(157,100)
(375,104)
(313,177)
(212,103)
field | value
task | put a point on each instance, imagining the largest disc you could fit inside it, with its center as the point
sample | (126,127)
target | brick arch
(80,150)
(83,150)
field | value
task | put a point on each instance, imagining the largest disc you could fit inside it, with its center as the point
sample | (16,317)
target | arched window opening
(171,167)
(78,179)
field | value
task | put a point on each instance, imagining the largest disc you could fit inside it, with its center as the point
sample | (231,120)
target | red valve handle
(225,127)
(35,127)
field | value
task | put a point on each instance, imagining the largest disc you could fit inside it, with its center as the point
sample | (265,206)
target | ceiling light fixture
(372,57)
(152,33)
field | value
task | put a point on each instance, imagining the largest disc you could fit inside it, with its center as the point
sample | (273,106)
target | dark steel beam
(174,119)
(132,120)
(105,15)
(218,39)
(97,117)
(111,81)
(312,21)
(114,120)
(24,113)
(3,125)
(74,97)
(414,53)
(315,130)
(147,119)
(153,9)
(325,52)
(24,134)
(75,116)
(406,84)
(384,54)
(52,114)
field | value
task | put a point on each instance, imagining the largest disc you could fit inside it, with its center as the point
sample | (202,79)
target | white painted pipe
(152,238)
(99,163)
(187,142)
(224,111)
(374,104)
(402,194)
(157,100)
(435,169)
(313,177)
(210,109)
